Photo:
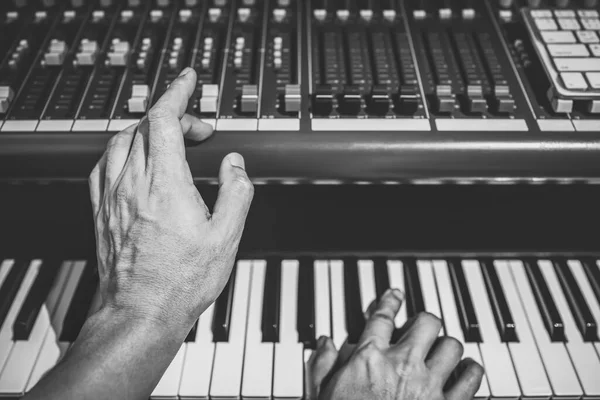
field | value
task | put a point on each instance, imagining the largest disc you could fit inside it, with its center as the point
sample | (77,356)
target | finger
(470,375)
(419,337)
(380,325)
(234,198)
(117,154)
(195,129)
(96,183)
(321,364)
(370,310)
(165,139)
(444,357)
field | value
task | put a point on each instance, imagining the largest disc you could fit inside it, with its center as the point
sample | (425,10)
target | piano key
(52,349)
(583,355)
(305,303)
(355,320)
(580,311)
(429,290)
(502,314)
(559,368)
(5,268)
(382,280)
(270,310)
(592,270)
(257,377)
(586,289)
(451,320)
(395,271)
(468,318)
(496,358)
(191,337)
(198,360)
(81,304)
(20,363)
(366,282)
(6,334)
(414,298)
(222,313)
(322,299)
(338,303)
(545,302)
(168,386)
(10,287)
(288,365)
(528,364)
(228,360)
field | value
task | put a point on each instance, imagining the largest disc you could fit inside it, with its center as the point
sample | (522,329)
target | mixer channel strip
(568,43)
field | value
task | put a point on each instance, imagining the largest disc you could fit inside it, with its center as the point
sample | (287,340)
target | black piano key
(80,303)
(501,311)
(38,293)
(222,312)
(464,302)
(271,301)
(414,296)
(593,274)
(545,302)
(11,286)
(579,308)
(305,323)
(382,280)
(191,337)
(355,320)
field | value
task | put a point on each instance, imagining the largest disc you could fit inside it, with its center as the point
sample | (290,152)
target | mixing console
(480,89)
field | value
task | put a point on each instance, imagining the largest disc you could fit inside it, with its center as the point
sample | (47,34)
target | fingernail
(185,72)
(398,294)
(321,342)
(237,160)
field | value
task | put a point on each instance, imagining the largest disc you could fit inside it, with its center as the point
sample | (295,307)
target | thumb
(235,195)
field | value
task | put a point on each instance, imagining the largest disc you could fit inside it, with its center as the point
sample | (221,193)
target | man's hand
(421,366)
(161,254)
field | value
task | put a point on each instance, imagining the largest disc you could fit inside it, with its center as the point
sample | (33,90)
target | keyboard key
(546,24)
(366,280)
(466,312)
(568,50)
(502,314)
(382,281)
(10,287)
(432,304)
(594,79)
(568,24)
(564,13)
(191,337)
(586,288)
(574,80)
(591,24)
(546,305)
(306,303)
(222,313)
(82,303)
(587,13)
(595,49)
(338,303)
(591,64)
(168,386)
(270,305)
(551,37)
(592,270)
(322,299)
(559,368)
(579,309)
(541,13)
(395,270)
(587,37)
(355,320)
(414,297)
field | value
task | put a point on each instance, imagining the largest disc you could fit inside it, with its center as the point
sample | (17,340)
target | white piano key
(366,281)
(258,361)
(496,358)
(338,303)
(21,361)
(198,361)
(6,333)
(395,270)
(559,369)
(526,359)
(288,365)
(588,293)
(52,350)
(322,299)
(430,296)
(168,386)
(452,324)
(227,370)
(583,354)
(5,268)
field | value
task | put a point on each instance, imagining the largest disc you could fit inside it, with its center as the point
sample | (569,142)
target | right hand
(420,366)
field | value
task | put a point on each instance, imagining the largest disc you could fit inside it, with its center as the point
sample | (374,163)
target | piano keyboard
(532,323)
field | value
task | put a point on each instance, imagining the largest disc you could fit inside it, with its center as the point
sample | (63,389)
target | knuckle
(428,319)
(382,317)
(243,185)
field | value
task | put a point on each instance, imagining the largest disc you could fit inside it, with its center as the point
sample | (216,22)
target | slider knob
(209,100)
(249,100)
(292,98)
(350,100)
(138,102)
(323,100)
(6,97)
(408,100)
(379,101)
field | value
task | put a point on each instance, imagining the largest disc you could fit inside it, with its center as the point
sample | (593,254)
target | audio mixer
(321,90)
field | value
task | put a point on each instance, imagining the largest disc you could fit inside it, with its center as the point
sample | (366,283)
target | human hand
(161,254)
(420,366)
